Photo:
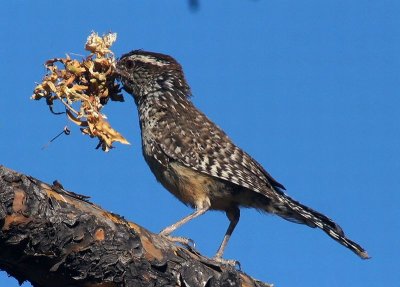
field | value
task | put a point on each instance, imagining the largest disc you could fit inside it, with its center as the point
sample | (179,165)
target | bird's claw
(187,242)
(231,262)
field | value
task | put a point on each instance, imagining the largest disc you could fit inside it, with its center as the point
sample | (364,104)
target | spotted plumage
(196,161)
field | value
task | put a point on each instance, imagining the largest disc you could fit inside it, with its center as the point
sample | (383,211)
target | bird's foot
(230,262)
(187,242)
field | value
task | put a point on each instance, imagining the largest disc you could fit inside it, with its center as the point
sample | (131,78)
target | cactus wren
(196,161)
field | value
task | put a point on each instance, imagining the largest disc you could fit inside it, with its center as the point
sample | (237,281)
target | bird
(196,161)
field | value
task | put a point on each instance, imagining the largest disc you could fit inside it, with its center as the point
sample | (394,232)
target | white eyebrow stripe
(149,59)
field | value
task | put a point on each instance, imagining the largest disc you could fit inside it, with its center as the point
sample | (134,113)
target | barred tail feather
(302,214)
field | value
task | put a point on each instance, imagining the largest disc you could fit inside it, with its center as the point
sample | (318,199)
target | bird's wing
(198,143)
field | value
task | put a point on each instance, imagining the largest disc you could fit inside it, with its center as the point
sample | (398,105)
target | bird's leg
(233,216)
(168,230)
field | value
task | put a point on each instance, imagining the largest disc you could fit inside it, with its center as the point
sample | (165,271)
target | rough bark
(52,237)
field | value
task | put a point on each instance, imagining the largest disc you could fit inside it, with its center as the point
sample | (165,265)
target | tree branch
(52,237)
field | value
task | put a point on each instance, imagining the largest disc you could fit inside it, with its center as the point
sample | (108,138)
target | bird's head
(144,72)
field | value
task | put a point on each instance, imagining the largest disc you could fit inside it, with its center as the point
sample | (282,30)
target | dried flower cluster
(87,84)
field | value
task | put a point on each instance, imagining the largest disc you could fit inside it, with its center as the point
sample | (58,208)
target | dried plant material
(84,88)
(100,46)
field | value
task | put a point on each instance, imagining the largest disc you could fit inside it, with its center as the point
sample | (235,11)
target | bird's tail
(296,212)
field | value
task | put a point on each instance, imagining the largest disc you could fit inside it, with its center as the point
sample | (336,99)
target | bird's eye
(129,64)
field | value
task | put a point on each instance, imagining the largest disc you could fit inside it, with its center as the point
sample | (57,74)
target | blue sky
(308,88)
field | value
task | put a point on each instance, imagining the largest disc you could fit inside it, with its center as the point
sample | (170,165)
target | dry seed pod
(84,88)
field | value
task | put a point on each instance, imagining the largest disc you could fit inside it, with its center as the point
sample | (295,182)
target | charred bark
(52,237)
